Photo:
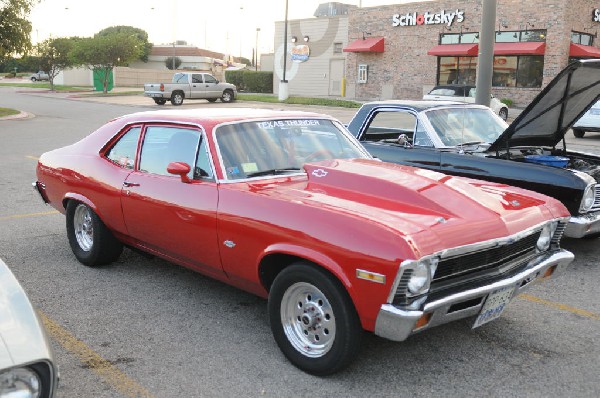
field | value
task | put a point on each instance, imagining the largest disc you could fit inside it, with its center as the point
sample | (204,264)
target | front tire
(91,242)
(177,98)
(578,133)
(227,96)
(313,319)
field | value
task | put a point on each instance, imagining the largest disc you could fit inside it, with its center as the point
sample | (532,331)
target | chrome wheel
(308,320)
(227,96)
(84,227)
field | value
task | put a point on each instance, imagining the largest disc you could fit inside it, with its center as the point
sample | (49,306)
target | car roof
(454,86)
(420,106)
(217,115)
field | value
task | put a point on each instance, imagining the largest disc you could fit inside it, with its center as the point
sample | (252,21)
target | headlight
(420,279)
(20,383)
(589,197)
(543,242)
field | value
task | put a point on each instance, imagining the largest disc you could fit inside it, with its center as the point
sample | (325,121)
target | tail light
(162,87)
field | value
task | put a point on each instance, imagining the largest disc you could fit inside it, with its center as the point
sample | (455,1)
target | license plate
(156,95)
(494,305)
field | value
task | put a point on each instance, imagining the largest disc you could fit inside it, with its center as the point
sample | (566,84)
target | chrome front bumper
(583,225)
(396,324)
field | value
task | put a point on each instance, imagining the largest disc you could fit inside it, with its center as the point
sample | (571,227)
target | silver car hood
(550,115)
(22,339)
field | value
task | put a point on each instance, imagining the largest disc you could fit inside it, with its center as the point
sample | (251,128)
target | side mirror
(180,169)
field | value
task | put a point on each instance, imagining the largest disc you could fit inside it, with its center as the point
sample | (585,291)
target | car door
(197,86)
(165,214)
(211,86)
(396,136)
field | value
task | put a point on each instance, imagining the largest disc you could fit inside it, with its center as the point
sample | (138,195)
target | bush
(507,101)
(250,81)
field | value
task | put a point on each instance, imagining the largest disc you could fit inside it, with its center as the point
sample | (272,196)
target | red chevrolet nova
(289,206)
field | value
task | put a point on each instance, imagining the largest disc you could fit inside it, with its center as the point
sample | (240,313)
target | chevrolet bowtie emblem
(319,173)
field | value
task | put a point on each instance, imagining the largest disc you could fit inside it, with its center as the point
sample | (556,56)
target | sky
(226,26)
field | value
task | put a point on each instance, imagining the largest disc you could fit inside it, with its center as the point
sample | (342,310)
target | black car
(470,140)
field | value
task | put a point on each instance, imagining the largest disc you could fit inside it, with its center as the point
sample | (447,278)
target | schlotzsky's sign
(428,18)
(596,15)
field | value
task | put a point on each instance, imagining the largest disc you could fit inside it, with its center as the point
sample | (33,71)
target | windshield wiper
(273,171)
(471,143)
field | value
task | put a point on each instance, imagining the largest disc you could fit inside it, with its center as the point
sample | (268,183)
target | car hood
(22,339)
(436,210)
(550,115)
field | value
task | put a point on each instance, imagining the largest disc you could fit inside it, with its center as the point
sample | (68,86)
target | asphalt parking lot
(145,327)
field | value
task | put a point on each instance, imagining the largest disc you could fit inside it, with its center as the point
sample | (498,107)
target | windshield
(456,126)
(272,147)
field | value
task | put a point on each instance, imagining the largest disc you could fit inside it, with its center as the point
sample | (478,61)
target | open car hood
(550,115)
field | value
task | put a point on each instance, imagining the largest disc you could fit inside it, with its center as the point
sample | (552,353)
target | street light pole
(485,61)
(283,84)
(256,51)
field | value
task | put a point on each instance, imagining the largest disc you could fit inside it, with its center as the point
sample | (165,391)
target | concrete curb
(20,115)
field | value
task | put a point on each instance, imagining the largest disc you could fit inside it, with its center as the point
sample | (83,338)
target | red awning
(444,50)
(581,51)
(522,48)
(368,45)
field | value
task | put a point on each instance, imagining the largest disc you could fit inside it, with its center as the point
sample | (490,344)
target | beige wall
(131,77)
(310,78)
(75,77)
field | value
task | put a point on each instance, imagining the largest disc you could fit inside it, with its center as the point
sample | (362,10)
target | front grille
(485,260)
(560,230)
(596,205)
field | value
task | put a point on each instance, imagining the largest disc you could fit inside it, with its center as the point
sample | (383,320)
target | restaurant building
(401,51)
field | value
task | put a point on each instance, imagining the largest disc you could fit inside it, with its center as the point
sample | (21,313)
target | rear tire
(227,96)
(177,98)
(92,243)
(578,133)
(160,101)
(313,319)
(33,79)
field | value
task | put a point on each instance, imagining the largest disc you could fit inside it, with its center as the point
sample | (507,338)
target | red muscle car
(289,206)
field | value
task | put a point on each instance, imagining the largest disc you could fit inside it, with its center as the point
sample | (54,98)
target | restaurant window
(362,73)
(585,39)
(457,70)
(518,71)
(459,38)
(518,36)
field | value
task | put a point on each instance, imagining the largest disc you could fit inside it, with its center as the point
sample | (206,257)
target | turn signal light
(549,272)
(423,321)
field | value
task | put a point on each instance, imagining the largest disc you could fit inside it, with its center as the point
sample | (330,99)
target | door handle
(130,184)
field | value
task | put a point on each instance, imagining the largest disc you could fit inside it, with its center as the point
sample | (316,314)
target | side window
(203,168)
(209,79)
(197,78)
(123,151)
(165,144)
(392,127)
(421,137)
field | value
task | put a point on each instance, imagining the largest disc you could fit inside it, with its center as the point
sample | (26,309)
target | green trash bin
(99,78)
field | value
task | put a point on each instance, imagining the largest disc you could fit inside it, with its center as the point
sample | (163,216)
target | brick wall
(404,70)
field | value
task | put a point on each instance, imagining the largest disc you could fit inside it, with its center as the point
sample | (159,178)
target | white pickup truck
(190,85)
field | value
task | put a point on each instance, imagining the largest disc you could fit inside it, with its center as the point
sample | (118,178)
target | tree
(141,35)
(55,56)
(103,52)
(15,28)
(173,62)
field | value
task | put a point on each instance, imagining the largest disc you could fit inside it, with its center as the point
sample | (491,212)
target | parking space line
(562,307)
(45,213)
(92,360)
(32,157)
